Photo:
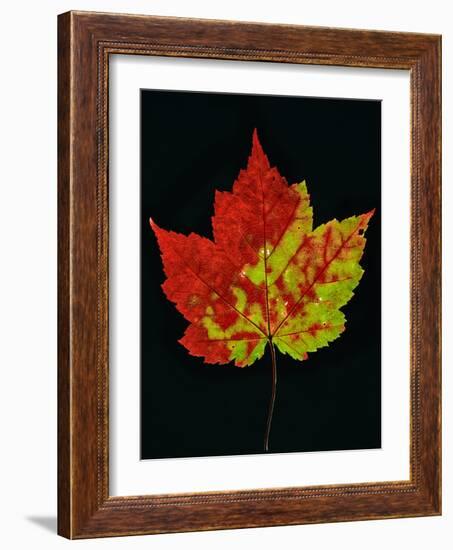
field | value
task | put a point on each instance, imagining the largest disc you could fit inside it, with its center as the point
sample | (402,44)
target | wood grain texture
(86,40)
(64,371)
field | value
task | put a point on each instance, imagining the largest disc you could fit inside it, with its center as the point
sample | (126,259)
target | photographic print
(260,274)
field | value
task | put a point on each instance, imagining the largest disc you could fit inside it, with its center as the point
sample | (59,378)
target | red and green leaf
(267,277)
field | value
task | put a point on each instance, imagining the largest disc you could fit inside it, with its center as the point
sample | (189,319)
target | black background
(193,144)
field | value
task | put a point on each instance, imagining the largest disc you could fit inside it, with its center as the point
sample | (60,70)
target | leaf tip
(256,145)
(154,226)
(370,214)
(365,218)
(158,232)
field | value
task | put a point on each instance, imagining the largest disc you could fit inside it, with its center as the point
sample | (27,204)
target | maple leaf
(267,277)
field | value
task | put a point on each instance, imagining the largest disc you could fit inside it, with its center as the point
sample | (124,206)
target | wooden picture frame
(85,42)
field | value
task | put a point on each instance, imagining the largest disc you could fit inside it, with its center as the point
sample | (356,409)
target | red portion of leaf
(200,275)
(201,279)
(257,212)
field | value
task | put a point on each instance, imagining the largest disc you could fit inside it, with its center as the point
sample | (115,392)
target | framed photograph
(249,275)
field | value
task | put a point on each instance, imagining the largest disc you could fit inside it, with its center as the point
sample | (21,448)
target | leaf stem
(272,399)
